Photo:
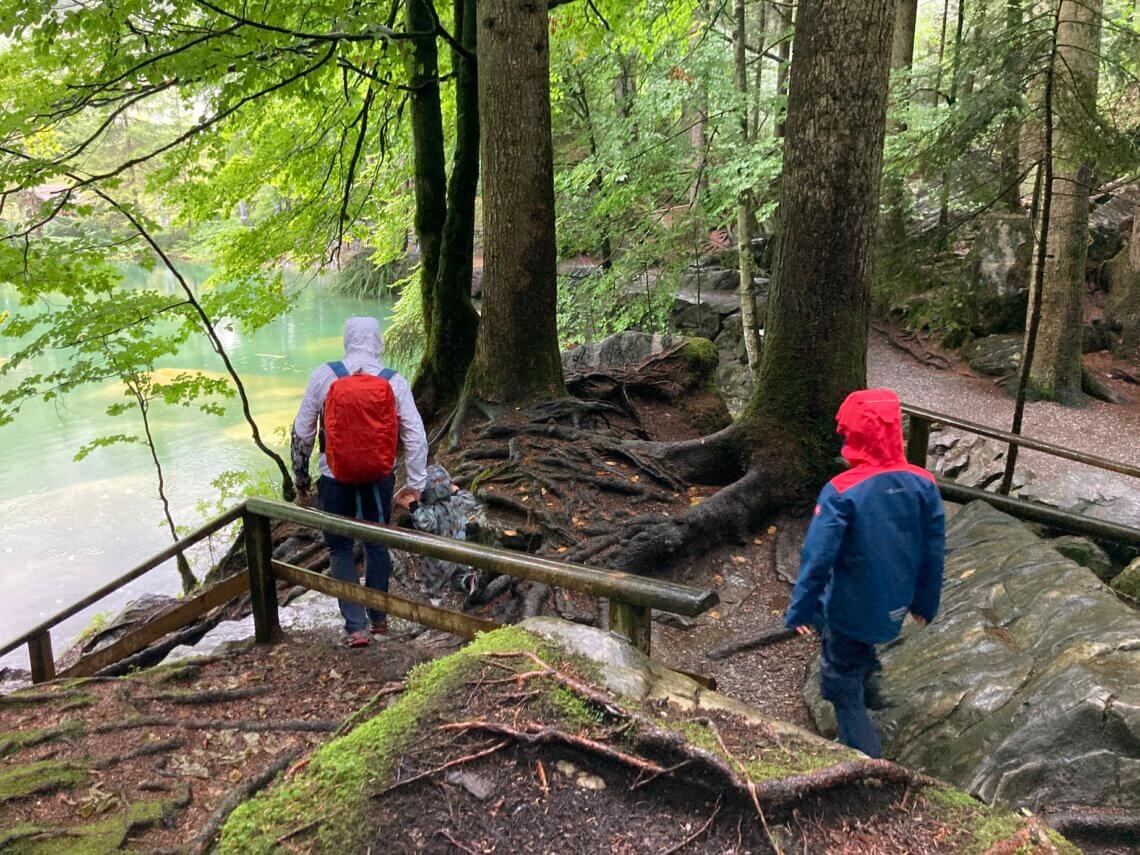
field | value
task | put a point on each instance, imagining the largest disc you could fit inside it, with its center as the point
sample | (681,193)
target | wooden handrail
(931,417)
(220,521)
(627,587)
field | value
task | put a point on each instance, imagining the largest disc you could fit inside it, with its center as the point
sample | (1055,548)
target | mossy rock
(1128,581)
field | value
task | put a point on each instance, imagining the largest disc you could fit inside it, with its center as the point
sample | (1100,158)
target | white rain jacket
(362,348)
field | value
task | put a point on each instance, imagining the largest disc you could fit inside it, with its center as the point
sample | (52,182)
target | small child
(442,509)
(873,554)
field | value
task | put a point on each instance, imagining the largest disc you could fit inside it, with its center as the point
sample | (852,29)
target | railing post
(917,441)
(262,586)
(634,622)
(43,662)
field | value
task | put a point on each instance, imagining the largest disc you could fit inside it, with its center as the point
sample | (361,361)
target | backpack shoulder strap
(387,373)
(339,369)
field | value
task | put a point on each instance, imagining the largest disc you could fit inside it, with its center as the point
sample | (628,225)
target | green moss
(700,356)
(15,740)
(986,825)
(105,836)
(44,776)
(336,785)
(35,698)
(572,708)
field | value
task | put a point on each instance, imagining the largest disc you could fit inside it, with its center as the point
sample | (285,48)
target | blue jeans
(846,667)
(357,500)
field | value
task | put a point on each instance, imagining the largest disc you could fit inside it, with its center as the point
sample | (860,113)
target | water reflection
(67,527)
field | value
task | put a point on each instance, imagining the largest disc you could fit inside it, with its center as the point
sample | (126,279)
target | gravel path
(1109,430)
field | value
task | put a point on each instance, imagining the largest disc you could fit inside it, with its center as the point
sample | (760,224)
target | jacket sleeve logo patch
(818,511)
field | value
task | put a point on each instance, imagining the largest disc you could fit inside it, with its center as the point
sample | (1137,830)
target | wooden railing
(632,598)
(918,442)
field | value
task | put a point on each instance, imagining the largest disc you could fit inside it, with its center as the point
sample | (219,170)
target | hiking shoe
(379,627)
(357,639)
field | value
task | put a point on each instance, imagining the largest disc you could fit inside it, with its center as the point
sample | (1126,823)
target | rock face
(1123,275)
(998,273)
(1093,493)
(1026,689)
(969,459)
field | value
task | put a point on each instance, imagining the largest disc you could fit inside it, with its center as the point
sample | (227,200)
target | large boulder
(1092,493)
(1110,219)
(624,348)
(995,355)
(998,273)
(695,319)
(1026,689)
(1123,277)
(710,279)
(1082,551)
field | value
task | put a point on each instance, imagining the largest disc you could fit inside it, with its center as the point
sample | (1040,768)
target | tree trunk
(815,351)
(1056,370)
(516,353)
(757,90)
(749,322)
(1010,134)
(784,52)
(815,345)
(902,40)
(427,147)
(452,323)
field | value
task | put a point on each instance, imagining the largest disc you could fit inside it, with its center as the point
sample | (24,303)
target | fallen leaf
(695,500)
(235,775)
(634,478)
(562,549)
(771,529)
(739,559)
(510,532)
(968,574)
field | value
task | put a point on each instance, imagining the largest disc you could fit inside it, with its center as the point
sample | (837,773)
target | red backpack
(360,426)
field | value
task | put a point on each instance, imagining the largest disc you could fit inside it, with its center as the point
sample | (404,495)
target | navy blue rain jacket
(875,547)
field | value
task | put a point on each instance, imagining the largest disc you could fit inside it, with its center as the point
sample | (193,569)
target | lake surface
(68,527)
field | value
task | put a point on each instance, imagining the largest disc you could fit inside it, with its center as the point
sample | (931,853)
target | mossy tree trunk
(815,345)
(516,353)
(450,319)
(1056,370)
(902,37)
(1010,134)
(783,443)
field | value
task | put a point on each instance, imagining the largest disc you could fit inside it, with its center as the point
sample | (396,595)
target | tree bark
(902,40)
(815,347)
(1010,135)
(452,323)
(1056,371)
(427,147)
(516,352)
(749,322)
(784,52)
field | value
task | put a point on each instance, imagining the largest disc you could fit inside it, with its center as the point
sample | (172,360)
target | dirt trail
(1110,430)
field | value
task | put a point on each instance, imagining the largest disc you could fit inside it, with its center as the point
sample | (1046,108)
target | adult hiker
(361,408)
(873,554)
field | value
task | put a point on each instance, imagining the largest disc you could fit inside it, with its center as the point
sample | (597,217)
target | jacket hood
(362,337)
(870,422)
(438,486)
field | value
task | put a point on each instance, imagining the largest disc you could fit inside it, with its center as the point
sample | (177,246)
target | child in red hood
(873,553)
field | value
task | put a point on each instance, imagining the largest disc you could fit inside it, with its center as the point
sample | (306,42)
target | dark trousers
(847,665)
(370,502)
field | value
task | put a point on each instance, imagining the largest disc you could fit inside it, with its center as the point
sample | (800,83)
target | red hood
(870,422)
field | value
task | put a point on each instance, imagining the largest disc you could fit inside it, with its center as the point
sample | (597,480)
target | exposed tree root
(202,841)
(210,696)
(1105,827)
(727,516)
(148,749)
(304,725)
(762,639)
(1094,387)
